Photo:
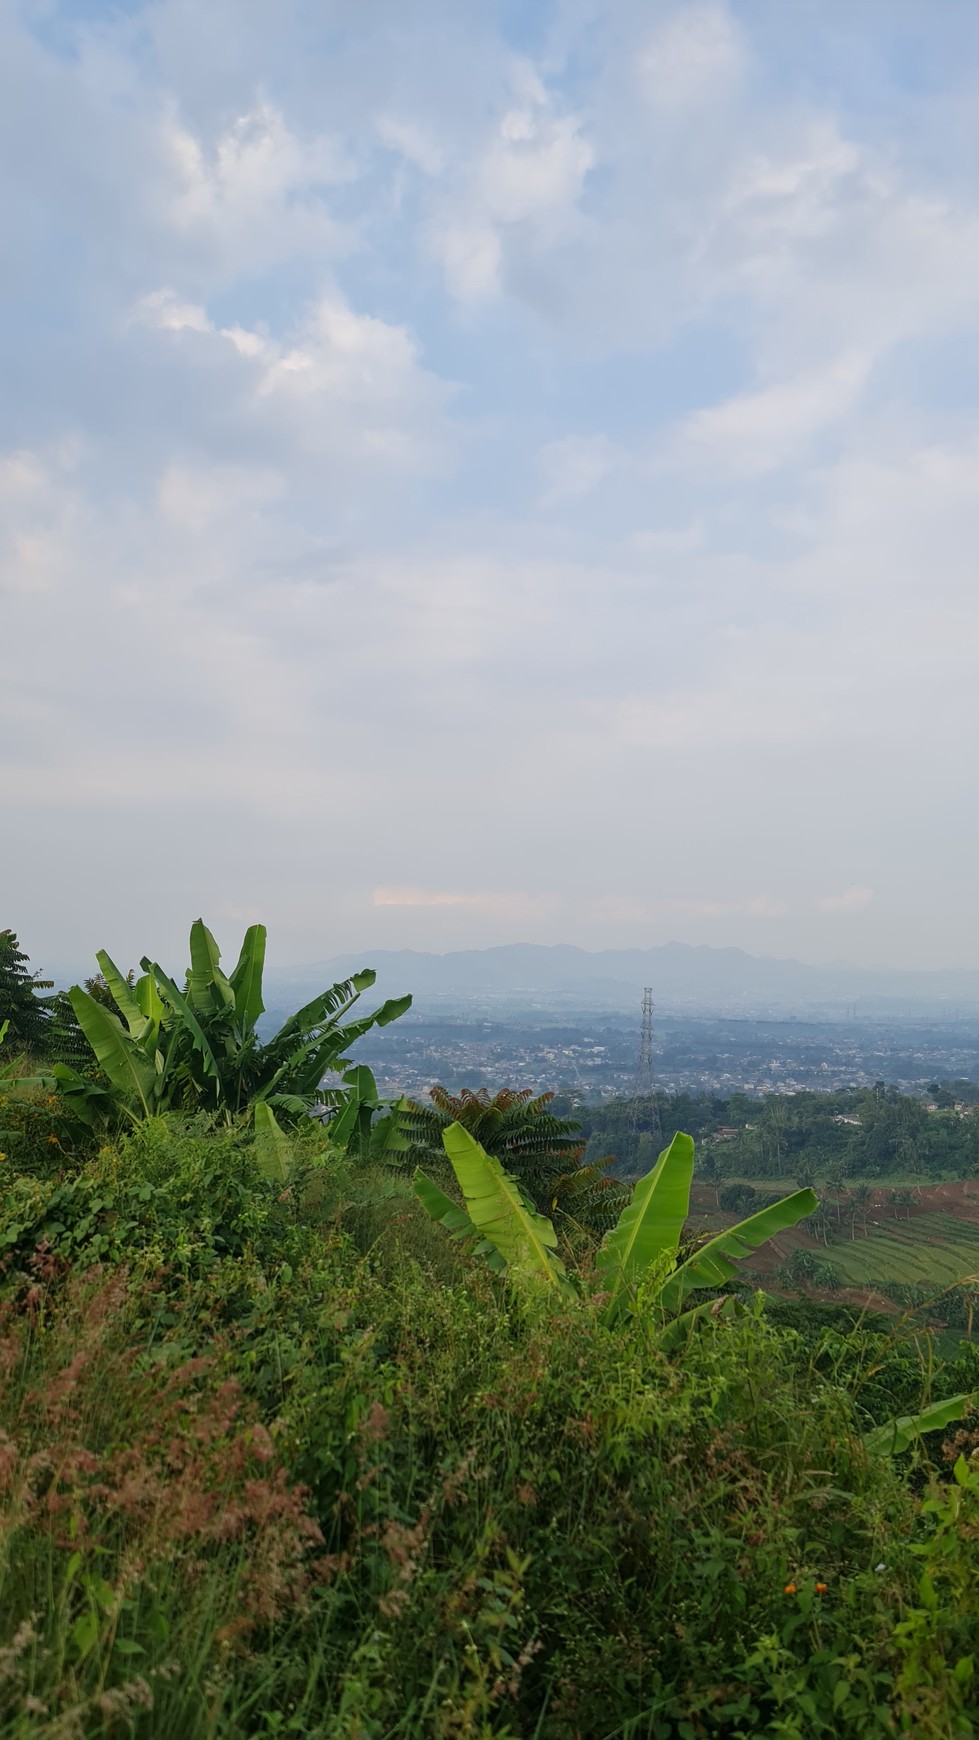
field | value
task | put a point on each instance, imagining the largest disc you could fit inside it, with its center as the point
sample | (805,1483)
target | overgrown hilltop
(282,1455)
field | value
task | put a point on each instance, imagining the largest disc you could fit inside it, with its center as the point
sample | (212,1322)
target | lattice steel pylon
(644,1092)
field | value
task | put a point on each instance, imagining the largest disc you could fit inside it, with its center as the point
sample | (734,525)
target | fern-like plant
(516,1127)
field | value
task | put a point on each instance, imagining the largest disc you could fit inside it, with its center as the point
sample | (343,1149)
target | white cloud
(574,465)
(507,904)
(853,899)
(520,190)
(690,58)
(257,196)
(280,577)
(755,432)
(413,141)
(341,383)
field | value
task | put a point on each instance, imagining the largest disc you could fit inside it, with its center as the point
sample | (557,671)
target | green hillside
(407,1423)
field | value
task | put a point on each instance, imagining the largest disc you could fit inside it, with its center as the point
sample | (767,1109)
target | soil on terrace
(958,1197)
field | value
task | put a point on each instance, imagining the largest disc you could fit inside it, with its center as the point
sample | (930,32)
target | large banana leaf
(362,1102)
(675,1334)
(716,1262)
(898,1435)
(388,1135)
(649,1226)
(151,1005)
(180,1006)
(305,1067)
(525,1239)
(123,994)
(389,1010)
(329,1006)
(86,1099)
(128,1069)
(455,1219)
(246,980)
(273,1149)
(207,986)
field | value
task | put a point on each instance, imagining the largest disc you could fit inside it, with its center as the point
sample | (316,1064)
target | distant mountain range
(683,977)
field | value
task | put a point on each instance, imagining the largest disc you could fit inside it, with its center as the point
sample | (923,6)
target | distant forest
(866,1133)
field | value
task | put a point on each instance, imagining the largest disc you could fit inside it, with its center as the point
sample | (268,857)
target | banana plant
(365,1126)
(498,1216)
(638,1259)
(197,1048)
(898,1435)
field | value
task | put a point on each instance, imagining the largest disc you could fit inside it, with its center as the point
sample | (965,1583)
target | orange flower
(821,1588)
(790,1588)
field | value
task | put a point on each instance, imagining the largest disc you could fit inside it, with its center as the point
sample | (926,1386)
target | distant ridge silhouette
(680,973)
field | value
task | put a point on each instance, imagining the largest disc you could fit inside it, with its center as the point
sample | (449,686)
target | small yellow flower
(790,1588)
(54,1139)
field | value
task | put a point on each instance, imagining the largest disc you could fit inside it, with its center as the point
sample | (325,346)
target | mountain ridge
(678,972)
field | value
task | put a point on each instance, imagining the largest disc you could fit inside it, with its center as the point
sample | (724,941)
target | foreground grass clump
(282,1461)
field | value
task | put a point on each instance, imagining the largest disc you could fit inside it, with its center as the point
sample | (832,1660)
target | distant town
(595,1056)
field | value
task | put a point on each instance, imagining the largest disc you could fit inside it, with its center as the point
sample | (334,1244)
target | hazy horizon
(490,474)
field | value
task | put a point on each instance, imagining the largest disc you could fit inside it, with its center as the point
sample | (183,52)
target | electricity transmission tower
(644,1091)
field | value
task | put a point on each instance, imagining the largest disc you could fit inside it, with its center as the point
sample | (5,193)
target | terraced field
(938,1249)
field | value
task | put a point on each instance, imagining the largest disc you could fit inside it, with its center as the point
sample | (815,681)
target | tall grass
(280,1464)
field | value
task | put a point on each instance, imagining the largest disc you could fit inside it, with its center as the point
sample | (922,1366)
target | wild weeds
(265,1477)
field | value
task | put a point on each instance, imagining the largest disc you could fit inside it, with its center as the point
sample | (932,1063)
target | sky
(490,472)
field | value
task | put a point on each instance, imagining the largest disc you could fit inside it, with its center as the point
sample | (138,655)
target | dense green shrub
(268,1469)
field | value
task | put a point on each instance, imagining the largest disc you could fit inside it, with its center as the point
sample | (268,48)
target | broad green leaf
(677,1333)
(123,994)
(525,1239)
(392,1009)
(294,1104)
(441,1207)
(716,1262)
(180,1006)
(150,1002)
(246,980)
(207,986)
(329,1006)
(123,1062)
(363,1088)
(651,1224)
(455,1219)
(273,1150)
(898,1435)
(86,1099)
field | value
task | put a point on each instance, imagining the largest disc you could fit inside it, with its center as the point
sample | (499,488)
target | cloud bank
(530,461)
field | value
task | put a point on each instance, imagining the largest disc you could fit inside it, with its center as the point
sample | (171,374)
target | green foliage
(897,1435)
(278,1458)
(647,1236)
(517,1128)
(638,1259)
(848,1133)
(24,1014)
(715,1262)
(501,1214)
(162,1049)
